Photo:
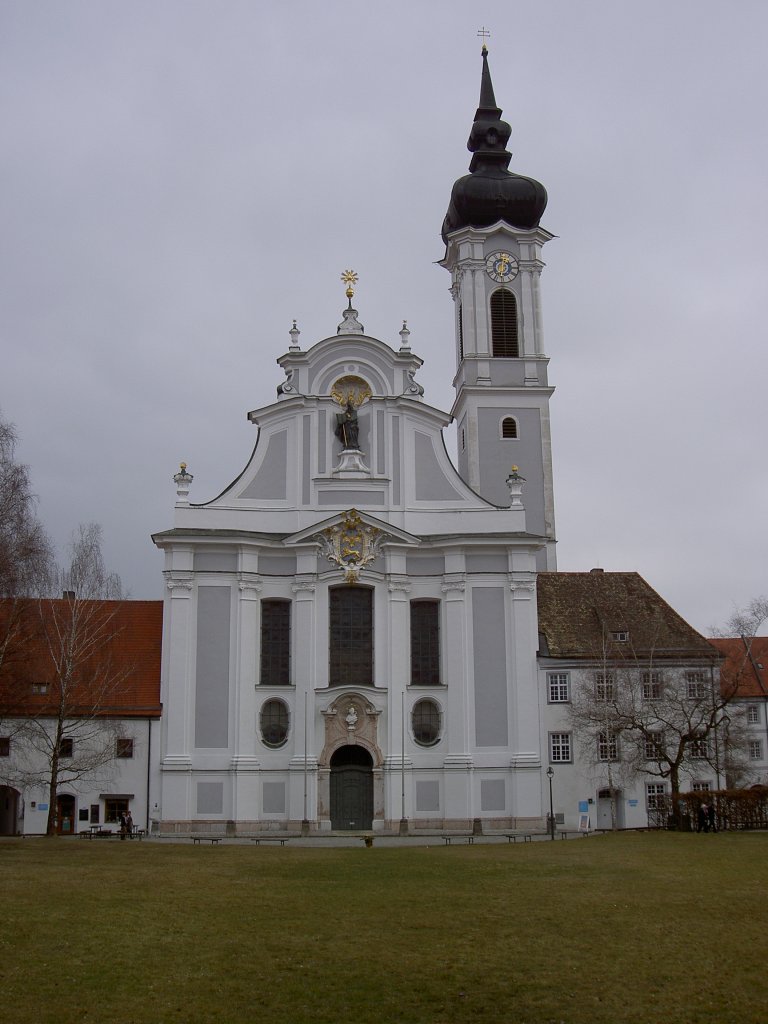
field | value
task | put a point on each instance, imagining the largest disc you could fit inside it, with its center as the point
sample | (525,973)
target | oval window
(425,721)
(274,723)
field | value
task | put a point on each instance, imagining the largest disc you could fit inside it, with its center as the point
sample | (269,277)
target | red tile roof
(130,655)
(745,665)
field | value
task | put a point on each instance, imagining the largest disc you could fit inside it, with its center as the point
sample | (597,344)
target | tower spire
(490,192)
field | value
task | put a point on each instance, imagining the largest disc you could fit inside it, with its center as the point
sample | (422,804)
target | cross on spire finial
(484,34)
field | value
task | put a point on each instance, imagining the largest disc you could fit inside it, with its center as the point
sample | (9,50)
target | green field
(646,928)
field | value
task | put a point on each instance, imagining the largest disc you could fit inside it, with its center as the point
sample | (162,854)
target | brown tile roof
(745,665)
(135,628)
(578,610)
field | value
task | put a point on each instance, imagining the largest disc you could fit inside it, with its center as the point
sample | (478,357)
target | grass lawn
(645,928)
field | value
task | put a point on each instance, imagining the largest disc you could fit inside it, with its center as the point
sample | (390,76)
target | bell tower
(493,243)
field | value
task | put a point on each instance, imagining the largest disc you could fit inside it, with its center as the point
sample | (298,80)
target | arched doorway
(9,810)
(351,789)
(65,814)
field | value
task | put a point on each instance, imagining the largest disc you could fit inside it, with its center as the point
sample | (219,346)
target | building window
(752,714)
(655,796)
(66,747)
(653,744)
(699,748)
(755,750)
(5,746)
(701,787)
(504,343)
(696,685)
(113,808)
(425,643)
(652,688)
(274,723)
(620,636)
(560,746)
(607,747)
(275,643)
(509,430)
(604,686)
(425,722)
(557,687)
(351,636)
(93,816)
(39,689)
(123,747)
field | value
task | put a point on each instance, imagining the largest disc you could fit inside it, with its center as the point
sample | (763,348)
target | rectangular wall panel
(212,677)
(489,636)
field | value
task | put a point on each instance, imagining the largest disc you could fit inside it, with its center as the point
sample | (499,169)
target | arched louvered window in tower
(509,428)
(504,343)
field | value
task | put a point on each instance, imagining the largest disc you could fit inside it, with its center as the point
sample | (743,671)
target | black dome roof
(490,192)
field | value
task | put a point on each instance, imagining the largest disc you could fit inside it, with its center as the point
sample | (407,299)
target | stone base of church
(236,829)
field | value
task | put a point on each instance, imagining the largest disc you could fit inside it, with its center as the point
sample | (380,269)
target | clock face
(501,266)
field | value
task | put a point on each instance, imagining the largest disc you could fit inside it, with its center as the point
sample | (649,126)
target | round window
(274,723)
(425,720)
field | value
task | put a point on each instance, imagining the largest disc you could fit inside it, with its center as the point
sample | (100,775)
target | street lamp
(550,773)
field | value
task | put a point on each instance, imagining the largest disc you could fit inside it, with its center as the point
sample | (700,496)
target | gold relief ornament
(351,544)
(351,390)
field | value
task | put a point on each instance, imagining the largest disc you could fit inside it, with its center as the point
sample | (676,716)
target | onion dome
(490,192)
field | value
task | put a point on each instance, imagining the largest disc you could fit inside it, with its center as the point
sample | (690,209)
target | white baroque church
(351,636)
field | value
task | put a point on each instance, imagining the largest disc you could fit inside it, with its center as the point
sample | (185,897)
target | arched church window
(275,643)
(274,723)
(351,636)
(425,643)
(509,428)
(504,342)
(425,722)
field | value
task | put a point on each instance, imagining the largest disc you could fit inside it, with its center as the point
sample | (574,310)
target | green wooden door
(351,790)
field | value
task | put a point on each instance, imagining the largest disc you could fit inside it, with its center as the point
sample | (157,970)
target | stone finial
(183,479)
(515,484)
(405,334)
(294,333)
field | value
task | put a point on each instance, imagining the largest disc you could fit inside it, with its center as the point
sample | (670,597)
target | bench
(269,839)
(101,833)
(207,839)
(524,837)
(572,832)
(447,839)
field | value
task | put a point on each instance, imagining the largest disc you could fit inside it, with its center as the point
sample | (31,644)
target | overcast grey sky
(181,178)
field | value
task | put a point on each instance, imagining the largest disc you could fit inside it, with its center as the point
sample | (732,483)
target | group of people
(706,818)
(126,824)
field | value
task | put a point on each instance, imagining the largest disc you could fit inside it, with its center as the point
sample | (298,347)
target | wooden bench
(524,837)
(468,836)
(269,839)
(207,839)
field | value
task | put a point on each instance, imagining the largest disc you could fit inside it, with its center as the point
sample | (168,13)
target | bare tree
(25,565)
(67,734)
(643,713)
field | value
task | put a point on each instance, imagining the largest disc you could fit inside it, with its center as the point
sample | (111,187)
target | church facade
(350,628)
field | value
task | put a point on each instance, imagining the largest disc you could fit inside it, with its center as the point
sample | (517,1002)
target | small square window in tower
(425,643)
(351,636)
(504,324)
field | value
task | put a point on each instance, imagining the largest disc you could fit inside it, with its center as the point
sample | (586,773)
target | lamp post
(550,773)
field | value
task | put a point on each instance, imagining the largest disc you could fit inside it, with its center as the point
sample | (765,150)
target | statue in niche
(347,427)
(351,718)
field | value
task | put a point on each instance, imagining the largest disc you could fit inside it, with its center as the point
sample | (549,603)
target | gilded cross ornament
(351,544)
